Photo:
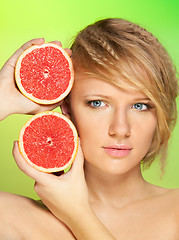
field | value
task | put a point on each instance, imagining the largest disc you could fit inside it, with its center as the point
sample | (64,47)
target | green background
(21,21)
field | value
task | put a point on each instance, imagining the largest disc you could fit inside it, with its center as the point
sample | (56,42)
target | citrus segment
(49,141)
(44,73)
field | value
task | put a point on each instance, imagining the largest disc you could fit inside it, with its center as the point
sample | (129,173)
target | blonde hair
(115,49)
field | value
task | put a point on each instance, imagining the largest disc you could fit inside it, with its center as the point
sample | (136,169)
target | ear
(65,107)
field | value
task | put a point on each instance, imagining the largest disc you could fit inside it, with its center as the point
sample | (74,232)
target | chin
(120,169)
(114,171)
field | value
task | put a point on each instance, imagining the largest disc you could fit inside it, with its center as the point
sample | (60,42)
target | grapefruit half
(49,141)
(44,73)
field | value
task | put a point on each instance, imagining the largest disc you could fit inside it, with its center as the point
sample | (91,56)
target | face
(115,126)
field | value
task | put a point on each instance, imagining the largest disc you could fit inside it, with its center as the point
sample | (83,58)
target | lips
(118,151)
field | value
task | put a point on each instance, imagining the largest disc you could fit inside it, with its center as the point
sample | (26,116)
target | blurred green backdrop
(21,21)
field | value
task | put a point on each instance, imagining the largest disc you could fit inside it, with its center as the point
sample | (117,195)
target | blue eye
(96,103)
(140,106)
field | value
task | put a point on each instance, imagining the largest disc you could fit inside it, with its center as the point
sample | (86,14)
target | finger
(37,188)
(79,160)
(35,41)
(57,42)
(12,60)
(27,169)
(41,108)
(69,51)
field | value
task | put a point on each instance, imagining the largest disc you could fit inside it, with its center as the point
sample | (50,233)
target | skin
(118,203)
(120,123)
(12,101)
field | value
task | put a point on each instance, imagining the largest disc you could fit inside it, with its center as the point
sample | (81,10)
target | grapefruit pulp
(49,141)
(44,73)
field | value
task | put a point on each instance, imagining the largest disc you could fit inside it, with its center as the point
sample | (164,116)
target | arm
(11,100)
(67,198)
(87,226)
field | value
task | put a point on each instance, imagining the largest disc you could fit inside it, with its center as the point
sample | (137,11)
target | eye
(141,106)
(96,103)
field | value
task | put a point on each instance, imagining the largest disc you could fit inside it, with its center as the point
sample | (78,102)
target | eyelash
(148,106)
(89,103)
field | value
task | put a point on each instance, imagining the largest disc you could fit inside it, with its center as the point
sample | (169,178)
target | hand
(64,195)
(11,100)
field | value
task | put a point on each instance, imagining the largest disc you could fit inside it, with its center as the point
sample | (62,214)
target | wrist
(6,105)
(4,111)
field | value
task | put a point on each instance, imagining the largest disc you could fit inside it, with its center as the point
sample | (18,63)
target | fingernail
(42,39)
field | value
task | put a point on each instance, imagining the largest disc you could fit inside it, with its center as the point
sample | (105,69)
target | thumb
(79,161)
(27,169)
(12,60)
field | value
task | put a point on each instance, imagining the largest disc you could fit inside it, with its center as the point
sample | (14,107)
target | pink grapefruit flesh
(44,73)
(49,142)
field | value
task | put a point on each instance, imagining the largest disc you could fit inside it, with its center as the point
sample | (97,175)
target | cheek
(146,132)
(87,124)
(82,125)
(89,134)
(88,139)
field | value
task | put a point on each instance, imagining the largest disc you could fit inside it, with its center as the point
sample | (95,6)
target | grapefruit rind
(30,96)
(55,169)
(67,169)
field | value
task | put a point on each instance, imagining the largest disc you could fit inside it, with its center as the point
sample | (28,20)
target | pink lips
(117,151)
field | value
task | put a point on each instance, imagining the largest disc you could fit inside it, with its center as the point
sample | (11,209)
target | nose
(120,124)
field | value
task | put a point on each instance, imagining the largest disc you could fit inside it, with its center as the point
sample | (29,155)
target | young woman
(123,104)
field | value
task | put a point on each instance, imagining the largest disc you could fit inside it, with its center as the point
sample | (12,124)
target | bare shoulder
(165,206)
(173,207)
(7,212)
(169,201)
(24,218)
(173,196)
(170,197)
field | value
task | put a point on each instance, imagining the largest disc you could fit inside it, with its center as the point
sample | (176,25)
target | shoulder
(169,198)
(171,203)
(11,204)
(8,211)
(173,196)
(19,214)
(166,201)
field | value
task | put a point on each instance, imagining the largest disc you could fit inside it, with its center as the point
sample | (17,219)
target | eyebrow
(143,99)
(98,95)
(108,97)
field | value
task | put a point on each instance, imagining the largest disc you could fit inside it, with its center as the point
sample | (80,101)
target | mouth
(117,151)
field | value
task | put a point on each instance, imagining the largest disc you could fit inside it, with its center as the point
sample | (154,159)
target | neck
(115,189)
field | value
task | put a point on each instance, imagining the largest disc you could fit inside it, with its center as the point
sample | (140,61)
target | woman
(123,106)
